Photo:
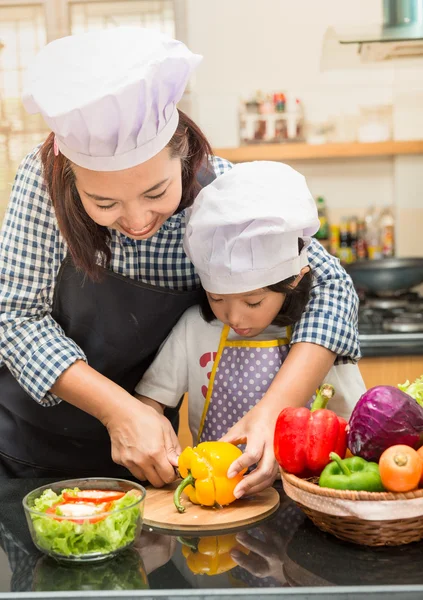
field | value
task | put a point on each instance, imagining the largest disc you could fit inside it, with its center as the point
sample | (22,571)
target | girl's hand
(266,555)
(256,430)
(290,387)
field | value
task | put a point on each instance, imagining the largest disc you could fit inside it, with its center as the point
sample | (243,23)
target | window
(154,14)
(22,35)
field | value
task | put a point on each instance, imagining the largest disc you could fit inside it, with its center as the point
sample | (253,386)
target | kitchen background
(276,68)
(276,83)
(260,48)
(280,45)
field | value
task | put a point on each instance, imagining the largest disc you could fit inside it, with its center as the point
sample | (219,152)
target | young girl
(247,238)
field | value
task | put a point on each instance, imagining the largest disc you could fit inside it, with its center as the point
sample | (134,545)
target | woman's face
(135,201)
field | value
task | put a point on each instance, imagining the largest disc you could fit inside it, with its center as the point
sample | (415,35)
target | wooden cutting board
(160,512)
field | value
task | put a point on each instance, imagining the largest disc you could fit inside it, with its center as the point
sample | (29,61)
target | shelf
(293,151)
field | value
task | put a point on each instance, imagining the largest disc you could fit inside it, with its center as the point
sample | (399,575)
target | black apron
(119,323)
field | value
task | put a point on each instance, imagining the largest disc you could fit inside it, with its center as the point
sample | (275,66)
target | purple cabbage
(383,417)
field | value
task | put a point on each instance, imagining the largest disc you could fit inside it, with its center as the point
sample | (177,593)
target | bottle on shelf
(323,233)
(353,237)
(374,251)
(334,240)
(345,254)
(279,101)
(361,241)
(387,232)
(266,107)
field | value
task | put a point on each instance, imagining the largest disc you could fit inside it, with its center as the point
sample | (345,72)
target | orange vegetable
(400,468)
(420,453)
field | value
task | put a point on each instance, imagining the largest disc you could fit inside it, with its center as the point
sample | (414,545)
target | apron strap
(222,344)
(223,338)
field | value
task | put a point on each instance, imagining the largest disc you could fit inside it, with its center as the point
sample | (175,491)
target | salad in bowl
(85,519)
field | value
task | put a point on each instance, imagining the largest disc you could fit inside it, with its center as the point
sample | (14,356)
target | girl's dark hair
(296,298)
(88,242)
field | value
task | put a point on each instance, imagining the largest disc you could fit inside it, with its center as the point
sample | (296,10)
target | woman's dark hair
(88,242)
(296,298)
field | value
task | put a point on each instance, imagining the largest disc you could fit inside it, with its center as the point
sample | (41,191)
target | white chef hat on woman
(242,232)
(110,95)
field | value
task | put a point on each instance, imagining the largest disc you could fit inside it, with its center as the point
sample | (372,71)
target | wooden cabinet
(298,151)
(390,370)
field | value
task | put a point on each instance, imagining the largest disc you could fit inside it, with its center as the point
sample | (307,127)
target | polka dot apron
(242,373)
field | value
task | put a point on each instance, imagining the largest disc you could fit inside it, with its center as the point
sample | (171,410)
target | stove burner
(407,298)
(406,323)
(386,303)
(393,315)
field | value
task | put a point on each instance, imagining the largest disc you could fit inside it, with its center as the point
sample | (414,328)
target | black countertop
(287,557)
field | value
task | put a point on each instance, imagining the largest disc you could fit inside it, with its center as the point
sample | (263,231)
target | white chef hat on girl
(110,95)
(242,232)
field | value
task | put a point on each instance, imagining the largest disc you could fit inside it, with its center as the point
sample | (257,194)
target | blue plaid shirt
(35,348)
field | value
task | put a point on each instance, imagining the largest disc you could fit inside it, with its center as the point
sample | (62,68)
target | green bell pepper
(351,474)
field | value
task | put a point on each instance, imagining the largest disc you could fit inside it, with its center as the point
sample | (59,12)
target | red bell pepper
(304,438)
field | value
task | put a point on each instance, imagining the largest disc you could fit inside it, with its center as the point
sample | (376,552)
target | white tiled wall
(278,44)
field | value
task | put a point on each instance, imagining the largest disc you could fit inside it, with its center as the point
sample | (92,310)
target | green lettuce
(67,538)
(415,389)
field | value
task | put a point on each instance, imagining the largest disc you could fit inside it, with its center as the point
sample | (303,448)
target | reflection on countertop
(284,551)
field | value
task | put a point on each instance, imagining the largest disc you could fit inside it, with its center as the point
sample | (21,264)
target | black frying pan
(390,276)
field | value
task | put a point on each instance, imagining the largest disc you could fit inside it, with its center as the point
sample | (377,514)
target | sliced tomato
(94,496)
(79,512)
(52,509)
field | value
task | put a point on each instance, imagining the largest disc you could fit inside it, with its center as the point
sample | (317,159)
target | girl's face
(248,314)
(134,201)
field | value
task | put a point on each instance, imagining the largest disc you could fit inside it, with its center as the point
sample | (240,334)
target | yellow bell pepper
(211,555)
(204,472)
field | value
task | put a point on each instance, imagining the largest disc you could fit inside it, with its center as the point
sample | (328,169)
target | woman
(92,267)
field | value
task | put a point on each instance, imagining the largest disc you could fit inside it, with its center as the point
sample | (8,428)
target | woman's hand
(143,440)
(155,549)
(150,402)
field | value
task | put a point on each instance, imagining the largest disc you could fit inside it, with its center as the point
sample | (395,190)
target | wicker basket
(366,518)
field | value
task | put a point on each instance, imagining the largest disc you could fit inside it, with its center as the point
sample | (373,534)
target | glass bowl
(125,572)
(85,536)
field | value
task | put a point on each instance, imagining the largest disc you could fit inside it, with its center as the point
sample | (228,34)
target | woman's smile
(138,233)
